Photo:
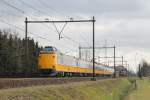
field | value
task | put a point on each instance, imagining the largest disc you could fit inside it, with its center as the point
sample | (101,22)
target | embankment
(105,89)
(142,91)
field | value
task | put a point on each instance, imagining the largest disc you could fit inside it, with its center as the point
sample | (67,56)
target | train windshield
(49,49)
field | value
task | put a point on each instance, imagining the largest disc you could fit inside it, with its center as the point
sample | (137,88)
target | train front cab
(47,61)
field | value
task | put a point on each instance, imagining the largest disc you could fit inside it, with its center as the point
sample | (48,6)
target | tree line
(144,69)
(13,56)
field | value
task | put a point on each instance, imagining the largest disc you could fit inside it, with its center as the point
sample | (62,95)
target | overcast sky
(124,23)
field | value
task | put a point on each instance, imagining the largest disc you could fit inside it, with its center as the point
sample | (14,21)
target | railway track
(6,83)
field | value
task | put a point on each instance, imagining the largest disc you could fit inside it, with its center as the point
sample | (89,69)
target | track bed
(6,83)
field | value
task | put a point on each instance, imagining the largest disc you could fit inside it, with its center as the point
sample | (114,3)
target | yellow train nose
(47,61)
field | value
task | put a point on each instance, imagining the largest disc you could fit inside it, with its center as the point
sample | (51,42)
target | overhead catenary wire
(71,39)
(9,14)
(20,10)
(20,28)
(38,36)
(42,2)
(12,6)
(83,37)
(48,14)
(29,5)
(50,7)
(53,24)
(42,23)
(23,12)
(59,32)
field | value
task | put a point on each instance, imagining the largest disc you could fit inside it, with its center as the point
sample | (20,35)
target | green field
(107,89)
(142,92)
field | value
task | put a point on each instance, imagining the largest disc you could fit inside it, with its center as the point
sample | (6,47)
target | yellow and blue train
(51,62)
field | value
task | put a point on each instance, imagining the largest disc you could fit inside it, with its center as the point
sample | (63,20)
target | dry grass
(109,89)
(142,92)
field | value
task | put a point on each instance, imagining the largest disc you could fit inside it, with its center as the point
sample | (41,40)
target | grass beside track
(106,89)
(142,92)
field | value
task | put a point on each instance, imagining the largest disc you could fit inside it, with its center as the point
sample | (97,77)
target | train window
(48,49)
(54,49)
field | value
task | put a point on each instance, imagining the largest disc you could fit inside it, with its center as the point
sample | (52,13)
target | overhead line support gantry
(113,47)
(65,21)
